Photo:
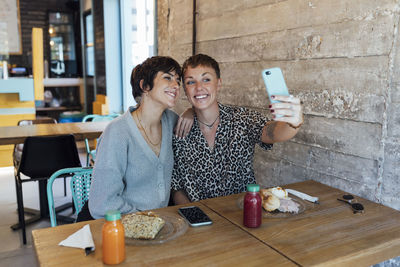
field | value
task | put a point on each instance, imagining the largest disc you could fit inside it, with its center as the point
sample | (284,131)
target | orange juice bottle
(113,238)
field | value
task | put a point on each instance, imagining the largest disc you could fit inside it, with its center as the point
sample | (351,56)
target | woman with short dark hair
(134,157)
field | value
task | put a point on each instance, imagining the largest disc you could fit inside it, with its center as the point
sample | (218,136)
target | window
(143,45)
(89,44)
(138,39)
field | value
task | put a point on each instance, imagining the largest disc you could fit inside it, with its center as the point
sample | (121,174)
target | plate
(267,214)
(174,227)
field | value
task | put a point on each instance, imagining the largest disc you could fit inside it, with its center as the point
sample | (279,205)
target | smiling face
(201,86)
(166,86)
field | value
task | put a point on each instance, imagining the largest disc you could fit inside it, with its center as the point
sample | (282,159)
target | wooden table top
(325,234)
(16,134)
(221,243)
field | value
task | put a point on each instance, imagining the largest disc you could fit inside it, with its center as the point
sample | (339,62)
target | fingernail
(270,106)
(272,110)
(273,97)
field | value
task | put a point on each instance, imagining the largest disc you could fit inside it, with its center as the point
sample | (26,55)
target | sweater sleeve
(108,182)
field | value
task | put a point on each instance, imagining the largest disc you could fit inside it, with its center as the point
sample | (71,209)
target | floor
(12,251)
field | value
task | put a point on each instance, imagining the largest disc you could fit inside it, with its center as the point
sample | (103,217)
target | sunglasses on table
(356,207)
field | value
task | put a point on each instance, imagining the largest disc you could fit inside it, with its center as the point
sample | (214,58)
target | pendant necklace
(209,125)
(144,130)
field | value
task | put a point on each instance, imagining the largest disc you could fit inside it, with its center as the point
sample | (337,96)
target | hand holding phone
(194,216)
(284,106)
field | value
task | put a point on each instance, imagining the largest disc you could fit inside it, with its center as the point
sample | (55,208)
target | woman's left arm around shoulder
(184,123)
(287,119)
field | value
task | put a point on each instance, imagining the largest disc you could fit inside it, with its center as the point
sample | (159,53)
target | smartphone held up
(274,83)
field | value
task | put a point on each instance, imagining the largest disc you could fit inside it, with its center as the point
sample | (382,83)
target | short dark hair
(201,60)
(148,70)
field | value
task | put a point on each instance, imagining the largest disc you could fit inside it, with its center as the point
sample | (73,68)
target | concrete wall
(341,57)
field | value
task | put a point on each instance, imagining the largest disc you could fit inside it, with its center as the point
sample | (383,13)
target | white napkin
(80,239)
(303,196)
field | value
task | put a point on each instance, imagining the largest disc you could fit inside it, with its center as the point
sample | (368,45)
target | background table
(16,134)
(325,234)
(221,243)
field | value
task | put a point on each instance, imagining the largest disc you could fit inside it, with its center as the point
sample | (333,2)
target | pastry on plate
(264,192)
(142,225)
(279,192)
(276,198)
(269,201)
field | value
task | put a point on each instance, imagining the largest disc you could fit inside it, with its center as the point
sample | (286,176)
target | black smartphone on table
(194,216)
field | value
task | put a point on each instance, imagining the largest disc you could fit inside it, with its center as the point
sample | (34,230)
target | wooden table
(16,134)
(326,234)
(221,243)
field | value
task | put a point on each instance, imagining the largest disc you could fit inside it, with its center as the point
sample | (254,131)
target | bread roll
(279,192)
(265,193)
(270,202)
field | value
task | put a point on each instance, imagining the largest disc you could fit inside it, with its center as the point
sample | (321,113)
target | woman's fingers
(285,106)
(288,99)
(188,126)
(180,130)
(184,131)
(183,126)
(284,112)
(184,123)
(290,120)
(288,110)
(178,127)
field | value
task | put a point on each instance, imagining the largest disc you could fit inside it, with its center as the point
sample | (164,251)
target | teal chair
(91,154)
(81,179)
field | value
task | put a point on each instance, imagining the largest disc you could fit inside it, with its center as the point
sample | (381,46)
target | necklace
(144,130)
(209,125)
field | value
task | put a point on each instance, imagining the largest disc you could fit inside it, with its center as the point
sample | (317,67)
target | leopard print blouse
(202,172)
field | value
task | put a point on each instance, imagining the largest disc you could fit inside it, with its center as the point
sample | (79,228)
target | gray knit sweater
(127,175)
